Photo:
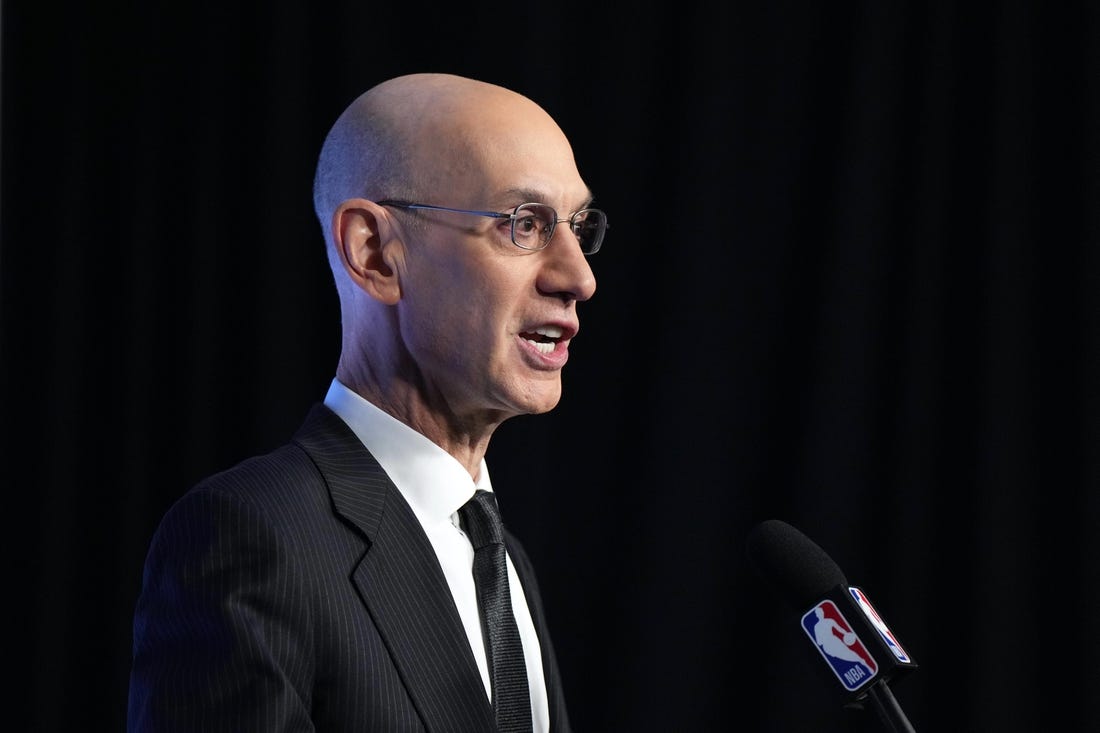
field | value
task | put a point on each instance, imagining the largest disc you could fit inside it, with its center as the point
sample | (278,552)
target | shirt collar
(430,479)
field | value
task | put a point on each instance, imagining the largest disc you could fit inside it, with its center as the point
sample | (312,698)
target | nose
(566,271)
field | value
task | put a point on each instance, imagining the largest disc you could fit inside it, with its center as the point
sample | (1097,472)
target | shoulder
(291,477)
(262,496)
(269,516)
(288,467)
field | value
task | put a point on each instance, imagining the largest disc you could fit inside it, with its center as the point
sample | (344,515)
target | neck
(465,438)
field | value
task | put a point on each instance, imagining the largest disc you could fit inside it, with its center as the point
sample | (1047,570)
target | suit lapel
(398,572)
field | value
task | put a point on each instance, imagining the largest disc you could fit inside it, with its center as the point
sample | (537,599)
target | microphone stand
(888,709)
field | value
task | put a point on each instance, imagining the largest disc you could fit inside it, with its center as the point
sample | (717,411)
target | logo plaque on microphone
(840,646)
(884,631)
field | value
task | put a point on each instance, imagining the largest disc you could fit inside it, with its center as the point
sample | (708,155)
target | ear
(370,248)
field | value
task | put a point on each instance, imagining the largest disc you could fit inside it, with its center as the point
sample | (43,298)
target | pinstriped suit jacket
(296,591)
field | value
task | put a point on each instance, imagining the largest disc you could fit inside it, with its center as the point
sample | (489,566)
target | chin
(543,401)
(543,408)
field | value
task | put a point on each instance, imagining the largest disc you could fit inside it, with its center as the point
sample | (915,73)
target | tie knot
(481,520)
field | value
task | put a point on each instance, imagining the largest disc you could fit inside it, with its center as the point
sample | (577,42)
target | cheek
(490,295)
(454,323)
(471,308)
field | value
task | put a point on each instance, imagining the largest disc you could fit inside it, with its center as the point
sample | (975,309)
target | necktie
(507,670)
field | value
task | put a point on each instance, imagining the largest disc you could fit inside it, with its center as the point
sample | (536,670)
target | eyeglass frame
(500,215)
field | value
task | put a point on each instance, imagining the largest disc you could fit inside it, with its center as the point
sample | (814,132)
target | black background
(851,282)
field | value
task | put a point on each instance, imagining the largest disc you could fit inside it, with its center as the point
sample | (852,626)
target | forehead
(500,148)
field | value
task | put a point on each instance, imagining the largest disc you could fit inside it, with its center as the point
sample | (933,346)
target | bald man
(327,585)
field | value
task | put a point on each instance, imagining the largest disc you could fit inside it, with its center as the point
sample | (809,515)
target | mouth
(544,338)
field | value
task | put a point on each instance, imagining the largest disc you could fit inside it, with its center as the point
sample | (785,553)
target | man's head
(443,314)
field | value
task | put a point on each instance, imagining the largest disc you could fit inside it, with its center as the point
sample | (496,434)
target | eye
(533,225)
(528,224)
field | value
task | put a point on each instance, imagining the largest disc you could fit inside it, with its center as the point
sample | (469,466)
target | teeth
(552,332)
(546,332)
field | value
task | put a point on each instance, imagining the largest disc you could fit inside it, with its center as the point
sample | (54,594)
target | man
(327,585)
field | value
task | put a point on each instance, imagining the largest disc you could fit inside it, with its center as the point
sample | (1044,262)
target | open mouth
(544,338)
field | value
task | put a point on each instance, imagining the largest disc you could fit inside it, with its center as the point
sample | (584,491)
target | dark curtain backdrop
(851,282)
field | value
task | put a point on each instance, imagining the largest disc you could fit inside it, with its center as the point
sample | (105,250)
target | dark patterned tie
(507,670)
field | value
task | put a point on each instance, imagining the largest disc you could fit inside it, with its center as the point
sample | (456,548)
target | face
(488,324)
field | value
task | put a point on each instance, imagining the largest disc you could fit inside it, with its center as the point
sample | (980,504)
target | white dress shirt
(436,485)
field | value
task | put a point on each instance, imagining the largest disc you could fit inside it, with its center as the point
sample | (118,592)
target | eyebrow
(527,195)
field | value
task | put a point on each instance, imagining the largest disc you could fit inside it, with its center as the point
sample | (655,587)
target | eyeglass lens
(533,227)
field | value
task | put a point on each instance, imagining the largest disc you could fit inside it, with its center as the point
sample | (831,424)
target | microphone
(838,619)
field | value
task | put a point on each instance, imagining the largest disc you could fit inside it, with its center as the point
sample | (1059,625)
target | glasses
(533,224)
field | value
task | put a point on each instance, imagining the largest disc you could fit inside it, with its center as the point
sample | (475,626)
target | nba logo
(876,620)
(831,633)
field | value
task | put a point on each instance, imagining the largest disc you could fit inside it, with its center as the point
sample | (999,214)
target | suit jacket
(297,591)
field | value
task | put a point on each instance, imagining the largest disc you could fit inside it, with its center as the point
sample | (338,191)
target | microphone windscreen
(794,564)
